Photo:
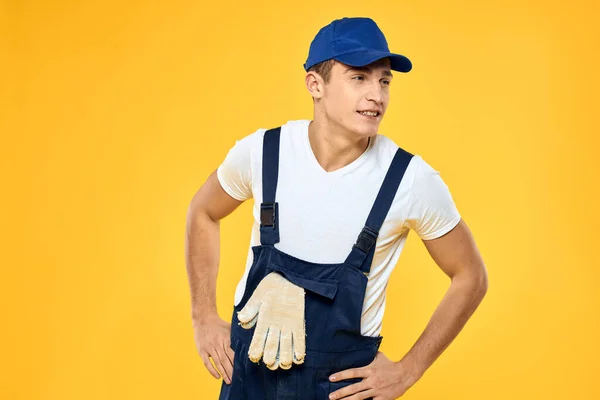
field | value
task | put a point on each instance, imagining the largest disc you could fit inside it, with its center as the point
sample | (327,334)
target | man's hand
(213,341)
(382,380)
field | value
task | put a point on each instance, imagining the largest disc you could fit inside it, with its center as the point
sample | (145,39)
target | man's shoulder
(389,144)
(418,169)
(290,128)
(386,149)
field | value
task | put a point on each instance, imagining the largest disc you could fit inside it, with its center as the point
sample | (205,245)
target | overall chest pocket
(319,297)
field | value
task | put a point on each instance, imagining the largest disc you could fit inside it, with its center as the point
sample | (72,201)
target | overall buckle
(366,239)
(267,214)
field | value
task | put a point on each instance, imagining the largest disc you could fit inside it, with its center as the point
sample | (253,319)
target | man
(334,202)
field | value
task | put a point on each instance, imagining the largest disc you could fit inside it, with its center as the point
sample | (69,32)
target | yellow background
(114,113)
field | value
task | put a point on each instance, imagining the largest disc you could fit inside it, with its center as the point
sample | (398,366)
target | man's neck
(333,148)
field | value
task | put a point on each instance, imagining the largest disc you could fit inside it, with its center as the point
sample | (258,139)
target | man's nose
(375,93)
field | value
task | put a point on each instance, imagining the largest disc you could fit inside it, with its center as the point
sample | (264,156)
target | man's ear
(314,84)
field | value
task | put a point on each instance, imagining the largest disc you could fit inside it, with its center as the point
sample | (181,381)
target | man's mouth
(373,114)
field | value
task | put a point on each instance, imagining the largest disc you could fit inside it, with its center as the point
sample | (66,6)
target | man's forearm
(457,306)
(202,260)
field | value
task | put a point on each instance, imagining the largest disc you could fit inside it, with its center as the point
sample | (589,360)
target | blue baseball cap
(353,41)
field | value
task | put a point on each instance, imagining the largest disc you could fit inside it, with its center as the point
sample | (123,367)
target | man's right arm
(208,206)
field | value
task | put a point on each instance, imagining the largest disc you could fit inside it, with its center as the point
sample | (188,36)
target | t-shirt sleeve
(432,211)
(235,172)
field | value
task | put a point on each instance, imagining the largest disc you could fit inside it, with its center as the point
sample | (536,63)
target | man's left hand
(383,379)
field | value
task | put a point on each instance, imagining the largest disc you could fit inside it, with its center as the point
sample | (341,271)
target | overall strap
(362,252)
(269,221)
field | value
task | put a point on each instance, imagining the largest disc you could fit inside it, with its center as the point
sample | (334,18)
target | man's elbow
(481,281)
(474,280)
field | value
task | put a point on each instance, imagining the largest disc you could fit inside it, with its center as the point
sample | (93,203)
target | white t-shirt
(321,213)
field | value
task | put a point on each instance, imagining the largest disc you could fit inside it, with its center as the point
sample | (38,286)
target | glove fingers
(285,349)
(271,357)
(257,346)
(299,345)
(249,313)
(249,324)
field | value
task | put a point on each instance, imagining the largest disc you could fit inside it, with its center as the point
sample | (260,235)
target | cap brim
(398,62)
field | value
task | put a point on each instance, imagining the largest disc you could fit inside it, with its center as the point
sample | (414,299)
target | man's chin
(367,129)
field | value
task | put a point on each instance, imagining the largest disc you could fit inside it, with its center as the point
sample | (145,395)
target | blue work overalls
(334,295)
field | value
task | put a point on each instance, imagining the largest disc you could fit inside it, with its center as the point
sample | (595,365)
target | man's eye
(358,77)
(386,82)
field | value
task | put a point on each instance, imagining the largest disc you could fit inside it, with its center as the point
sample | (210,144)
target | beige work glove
(277,309)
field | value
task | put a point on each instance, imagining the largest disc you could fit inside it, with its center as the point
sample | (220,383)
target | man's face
(356,98)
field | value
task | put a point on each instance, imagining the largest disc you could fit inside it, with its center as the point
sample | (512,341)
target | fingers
(285,349)
(230,354)
(223,362)
(209,366)
(223,365)
(351,373)
(356,391)
(271,357)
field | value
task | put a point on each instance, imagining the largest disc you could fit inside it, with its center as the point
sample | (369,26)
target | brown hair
(323,69)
